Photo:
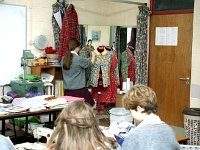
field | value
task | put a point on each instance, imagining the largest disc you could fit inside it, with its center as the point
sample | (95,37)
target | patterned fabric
(103,62)
(57,7)
(141,46)
(128,65)
(108,94)
(90,48)
(85,53)
(82,35)
(69,30)
(117,41)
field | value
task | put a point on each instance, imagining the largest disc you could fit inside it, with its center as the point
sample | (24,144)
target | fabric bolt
(57,7)
(128,65)
(69,30)
(108,94)
(103,62)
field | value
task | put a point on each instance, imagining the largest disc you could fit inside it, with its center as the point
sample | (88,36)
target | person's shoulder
(5,143)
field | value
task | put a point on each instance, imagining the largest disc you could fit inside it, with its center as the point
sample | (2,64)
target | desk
(26,114)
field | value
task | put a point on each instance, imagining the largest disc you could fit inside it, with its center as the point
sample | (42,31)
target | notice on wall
(166,36)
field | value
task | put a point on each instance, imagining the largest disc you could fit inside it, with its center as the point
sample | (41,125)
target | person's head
(73,45)
(141,100)
(77,128)
(89,42)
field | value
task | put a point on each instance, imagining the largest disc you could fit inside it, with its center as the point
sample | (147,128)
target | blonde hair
(77,129)
(143,96)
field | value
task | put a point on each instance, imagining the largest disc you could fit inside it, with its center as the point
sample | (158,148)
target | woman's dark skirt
(83,93)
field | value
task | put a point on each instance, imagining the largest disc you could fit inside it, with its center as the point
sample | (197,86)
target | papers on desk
(31,146)
(40,102)
(16,109)
(57,102)
(33,104)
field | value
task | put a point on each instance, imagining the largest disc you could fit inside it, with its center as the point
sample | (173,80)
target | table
(26,114)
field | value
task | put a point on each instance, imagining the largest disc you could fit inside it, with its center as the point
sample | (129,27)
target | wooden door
(167,64)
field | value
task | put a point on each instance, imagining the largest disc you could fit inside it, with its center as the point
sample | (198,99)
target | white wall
(104,35)
(96,12)
(195,74)
(39,14)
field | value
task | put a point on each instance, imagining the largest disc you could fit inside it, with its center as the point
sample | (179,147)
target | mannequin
(106,93)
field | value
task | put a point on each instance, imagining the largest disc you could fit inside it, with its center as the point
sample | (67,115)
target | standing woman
(89,45)
(73,69)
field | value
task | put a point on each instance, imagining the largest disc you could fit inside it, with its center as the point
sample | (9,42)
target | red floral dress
(131,68)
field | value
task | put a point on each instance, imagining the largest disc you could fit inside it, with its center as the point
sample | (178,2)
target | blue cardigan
(151,137)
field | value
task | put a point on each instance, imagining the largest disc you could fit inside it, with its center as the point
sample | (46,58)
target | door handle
(187,80)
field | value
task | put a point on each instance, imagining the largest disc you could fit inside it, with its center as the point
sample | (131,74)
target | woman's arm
(93,57)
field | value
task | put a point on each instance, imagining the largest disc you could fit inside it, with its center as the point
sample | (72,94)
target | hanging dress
(128,65)
(57,17)
(69,30)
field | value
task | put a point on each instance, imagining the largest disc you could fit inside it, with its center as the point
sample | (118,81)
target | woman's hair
(89,40)
(143,96)
(72,44)
(77,129)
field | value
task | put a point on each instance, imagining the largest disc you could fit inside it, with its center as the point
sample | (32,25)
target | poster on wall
(96,35)
(166,36)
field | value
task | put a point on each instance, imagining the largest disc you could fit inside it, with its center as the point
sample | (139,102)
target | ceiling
(107,7)
(135,2)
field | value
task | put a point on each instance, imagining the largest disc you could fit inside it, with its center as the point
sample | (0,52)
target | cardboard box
(119,100)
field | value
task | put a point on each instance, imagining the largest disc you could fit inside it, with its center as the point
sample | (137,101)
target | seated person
(150,133)
(78,129)
(5,143)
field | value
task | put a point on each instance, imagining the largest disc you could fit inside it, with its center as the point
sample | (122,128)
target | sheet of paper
(166,36)
(58,19)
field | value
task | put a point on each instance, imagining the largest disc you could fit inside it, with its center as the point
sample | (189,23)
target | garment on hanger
(128,65)
(69,30)
(57,16)
(108,94)
(103,63)
(85,53)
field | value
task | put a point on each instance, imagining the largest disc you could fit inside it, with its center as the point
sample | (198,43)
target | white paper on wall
(166,36)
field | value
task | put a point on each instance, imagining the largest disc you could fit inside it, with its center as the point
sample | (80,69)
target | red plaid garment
(69,30)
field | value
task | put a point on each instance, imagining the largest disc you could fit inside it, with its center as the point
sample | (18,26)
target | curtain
(141,71)
(82,36)
(133,38)
(117,42)
(121,42)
